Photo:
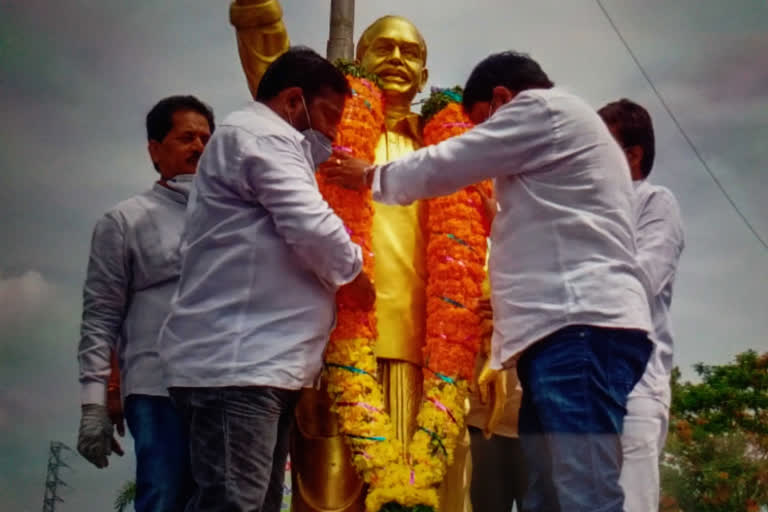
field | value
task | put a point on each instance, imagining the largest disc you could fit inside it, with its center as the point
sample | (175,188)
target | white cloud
(23,295)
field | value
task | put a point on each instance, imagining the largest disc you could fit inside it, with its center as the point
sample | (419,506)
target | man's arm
(104,304)
(280,179)
(261,36)
(516,139)
(659,238)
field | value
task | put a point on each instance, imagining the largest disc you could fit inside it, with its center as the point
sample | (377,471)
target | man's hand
(490,203)
(362,292)
(346,171)
(484,309)
(95,440)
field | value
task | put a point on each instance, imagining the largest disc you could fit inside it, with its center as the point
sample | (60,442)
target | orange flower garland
(350,359)
(455,255)
(456,251)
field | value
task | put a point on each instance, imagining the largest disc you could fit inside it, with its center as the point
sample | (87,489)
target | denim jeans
(163,482)
(239,439)
(498,472)
(575,387)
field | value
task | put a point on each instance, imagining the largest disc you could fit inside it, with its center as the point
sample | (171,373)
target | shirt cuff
(376,184)
(338,277)
(93,393)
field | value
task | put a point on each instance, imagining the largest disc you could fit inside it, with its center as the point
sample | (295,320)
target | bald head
(394,49)
(382,24)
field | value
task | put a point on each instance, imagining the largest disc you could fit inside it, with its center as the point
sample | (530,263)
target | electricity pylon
(52,480)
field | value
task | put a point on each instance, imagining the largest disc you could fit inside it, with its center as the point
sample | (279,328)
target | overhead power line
(680,128)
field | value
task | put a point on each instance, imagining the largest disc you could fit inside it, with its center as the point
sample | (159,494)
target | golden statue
(323,476)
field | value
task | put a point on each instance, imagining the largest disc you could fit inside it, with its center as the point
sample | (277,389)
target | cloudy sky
(77,78)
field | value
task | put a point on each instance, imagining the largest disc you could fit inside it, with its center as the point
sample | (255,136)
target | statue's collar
(408,125)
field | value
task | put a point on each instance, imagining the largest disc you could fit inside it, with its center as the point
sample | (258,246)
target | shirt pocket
(157,248)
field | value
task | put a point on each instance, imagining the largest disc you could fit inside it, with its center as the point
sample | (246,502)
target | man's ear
(634,156)
(502,95)
(153,147)
(290,99)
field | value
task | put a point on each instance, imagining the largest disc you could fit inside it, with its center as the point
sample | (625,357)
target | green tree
(716,457)
(125,496)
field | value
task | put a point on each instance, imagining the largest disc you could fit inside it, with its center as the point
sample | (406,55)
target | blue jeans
(238,439)
(575,387)
(163,482)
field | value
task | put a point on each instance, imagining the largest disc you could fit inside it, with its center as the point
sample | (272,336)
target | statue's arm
(261,36)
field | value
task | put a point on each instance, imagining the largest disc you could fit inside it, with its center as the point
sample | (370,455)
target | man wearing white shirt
(660,242)
(132,273)
(262,258)
(567,293)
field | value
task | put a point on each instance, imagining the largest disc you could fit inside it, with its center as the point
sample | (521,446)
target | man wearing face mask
(262,258)
(569,304)
(132,274)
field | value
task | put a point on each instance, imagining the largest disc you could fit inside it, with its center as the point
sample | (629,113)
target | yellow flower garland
(456,253)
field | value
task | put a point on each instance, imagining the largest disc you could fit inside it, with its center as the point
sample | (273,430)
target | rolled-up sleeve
(280,179)
(104,305)
(517,138)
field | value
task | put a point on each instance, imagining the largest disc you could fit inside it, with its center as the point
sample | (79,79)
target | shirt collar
(177,188)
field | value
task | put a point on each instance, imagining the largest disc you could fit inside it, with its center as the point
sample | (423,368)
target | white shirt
(132,272)
(262,257)
(563,250)
(660,242)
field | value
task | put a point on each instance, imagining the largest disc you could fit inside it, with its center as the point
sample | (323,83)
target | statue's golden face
(395,54)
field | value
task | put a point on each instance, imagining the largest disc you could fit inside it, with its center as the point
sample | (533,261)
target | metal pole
(340,38)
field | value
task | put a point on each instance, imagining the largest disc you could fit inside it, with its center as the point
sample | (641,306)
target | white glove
(95,440)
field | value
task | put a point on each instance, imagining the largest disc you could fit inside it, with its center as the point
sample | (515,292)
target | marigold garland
(350,360)
(455,255)
(456,250)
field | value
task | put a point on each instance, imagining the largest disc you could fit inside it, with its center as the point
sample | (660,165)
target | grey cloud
(80,77)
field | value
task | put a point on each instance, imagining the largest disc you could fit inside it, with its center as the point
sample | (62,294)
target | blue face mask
(320,147)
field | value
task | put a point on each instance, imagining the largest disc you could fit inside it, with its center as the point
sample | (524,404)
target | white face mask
(320,146)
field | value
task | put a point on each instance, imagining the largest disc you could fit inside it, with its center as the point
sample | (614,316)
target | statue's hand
(485,381)
(498,400)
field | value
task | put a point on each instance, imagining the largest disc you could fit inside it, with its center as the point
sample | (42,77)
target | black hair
(515,71)
(633,127)
(160,118)
(301,67)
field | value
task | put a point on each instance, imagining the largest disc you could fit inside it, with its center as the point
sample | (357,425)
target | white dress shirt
(563,250)
(132,273)
(660,242)
(262,257)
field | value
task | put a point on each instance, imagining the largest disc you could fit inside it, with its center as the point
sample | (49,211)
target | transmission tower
(52,480)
